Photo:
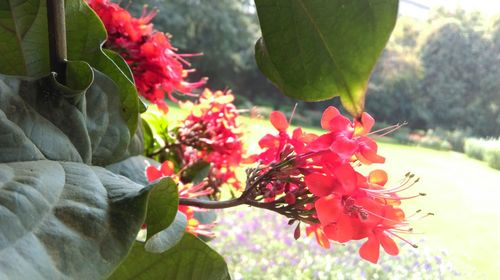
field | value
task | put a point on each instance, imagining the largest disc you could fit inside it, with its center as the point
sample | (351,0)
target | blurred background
(440,73)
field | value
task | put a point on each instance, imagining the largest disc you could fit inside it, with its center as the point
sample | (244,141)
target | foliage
(487,150)
(317,59)
(69,217)
(417,80)
(50,138)
(155,66)
(224,31)
(191,258)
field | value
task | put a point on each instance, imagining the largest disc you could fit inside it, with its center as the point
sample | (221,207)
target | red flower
(346,138)
(211,133)
(156,67)
(334,200)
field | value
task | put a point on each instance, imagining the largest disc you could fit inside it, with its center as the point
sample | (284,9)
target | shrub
(487,150)
(492,157)
(430,139)
(457,139)
(474,148)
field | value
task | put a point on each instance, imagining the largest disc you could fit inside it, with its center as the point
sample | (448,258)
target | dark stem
(57,38)
(211,204)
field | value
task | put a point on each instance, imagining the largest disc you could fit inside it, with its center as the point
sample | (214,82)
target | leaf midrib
(331,55)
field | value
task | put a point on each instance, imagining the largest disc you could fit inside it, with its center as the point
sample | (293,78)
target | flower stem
(57,38)
(208,204)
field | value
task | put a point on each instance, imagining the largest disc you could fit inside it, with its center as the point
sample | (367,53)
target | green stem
(57,38)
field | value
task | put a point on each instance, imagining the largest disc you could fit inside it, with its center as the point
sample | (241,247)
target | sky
(420,8)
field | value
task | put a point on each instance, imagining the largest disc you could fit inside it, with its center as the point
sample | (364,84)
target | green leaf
(85,36)
(50,124)
(150,143)
(165,225)
(23,29)
(162,205)
(24,48)
(315,50)
(65,220)
(168,237)
(108,131)
(191,258)
(62,123)
(133,168)
(120,62)
(196,172)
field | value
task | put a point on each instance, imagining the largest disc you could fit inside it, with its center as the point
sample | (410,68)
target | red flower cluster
(156,66)
(185,191)
(211,133)
(335,201)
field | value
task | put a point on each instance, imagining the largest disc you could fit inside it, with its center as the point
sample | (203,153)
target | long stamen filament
(403,239)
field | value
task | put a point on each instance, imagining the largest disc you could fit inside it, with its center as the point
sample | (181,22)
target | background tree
(225,32)
(459,84)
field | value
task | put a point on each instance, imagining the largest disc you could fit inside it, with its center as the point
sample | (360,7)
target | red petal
(328,208)
(370,250)
(378,177)
(320,184)
(330,113)
(388,244)
(342,231)
(152,173)
(322,239)
(368,151)
(321,143)
(278,120)
(344,147)
(347,177)
(366,124)
(167,168)
(340,124)
(269,141)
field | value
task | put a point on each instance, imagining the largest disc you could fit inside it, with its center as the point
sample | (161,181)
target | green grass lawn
(463,193)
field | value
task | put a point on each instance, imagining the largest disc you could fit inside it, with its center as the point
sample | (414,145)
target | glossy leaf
(85,36)
(315,50)
(24,48)
(165,225)
(133,168)
(62,123)
(196,172)
(191,258)
(23,29)
(168,237)
(64,220)
(162,206)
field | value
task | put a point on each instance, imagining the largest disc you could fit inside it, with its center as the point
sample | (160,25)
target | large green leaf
(24,47)
(169,236)
(23,29)
(85,35)
(62,123)
(317,49)
(196,172)
(162,206)
(133,168)
(64,220)
(165,225)
(61,218)
(191,258)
